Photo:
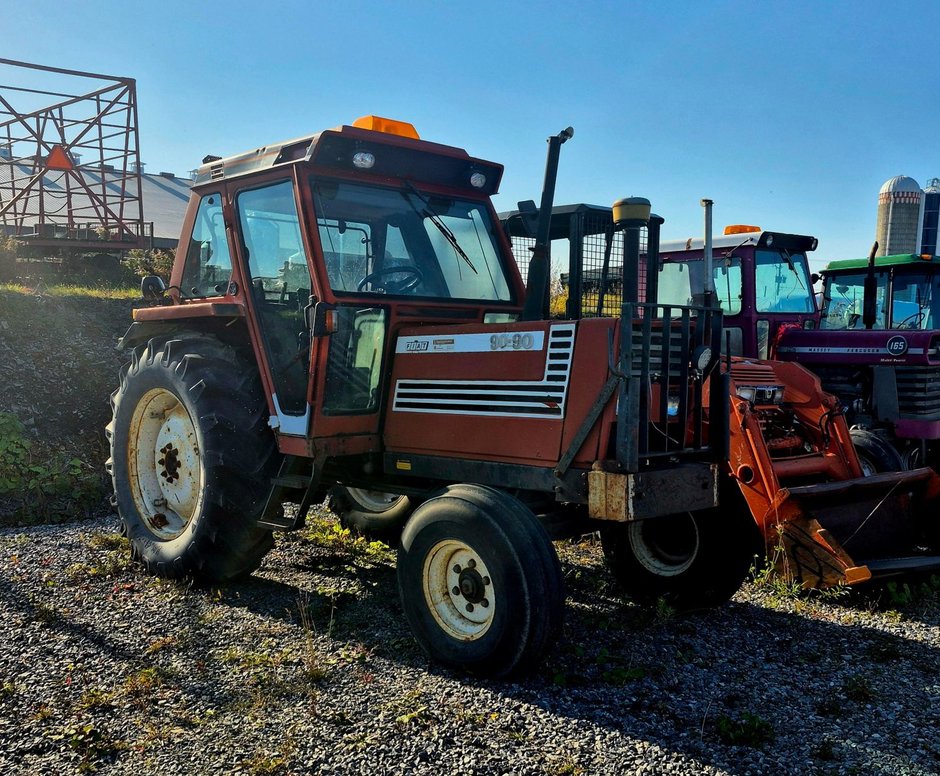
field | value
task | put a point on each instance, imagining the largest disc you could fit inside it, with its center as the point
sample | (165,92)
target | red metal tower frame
(70,169)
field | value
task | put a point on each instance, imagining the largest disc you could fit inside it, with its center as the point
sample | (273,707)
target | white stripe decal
(820,349)
(543,398)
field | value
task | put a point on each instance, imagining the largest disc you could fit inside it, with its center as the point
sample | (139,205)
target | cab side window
(208,266)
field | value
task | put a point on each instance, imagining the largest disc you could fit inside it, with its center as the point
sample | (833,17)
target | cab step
(296,478)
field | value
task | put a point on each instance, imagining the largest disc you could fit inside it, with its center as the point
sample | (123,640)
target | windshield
(679,280)
(404,242)
(915,300)
(781,282)
(843,299)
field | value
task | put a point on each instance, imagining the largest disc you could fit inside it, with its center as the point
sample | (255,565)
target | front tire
(480,583)
(875,455)
(690,560)
(192,459)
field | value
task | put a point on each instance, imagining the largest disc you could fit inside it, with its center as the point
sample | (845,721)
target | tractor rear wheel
(192,459)
(372,513)
(691,560)
(480,582)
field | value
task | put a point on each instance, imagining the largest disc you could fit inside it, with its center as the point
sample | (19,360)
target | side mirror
(152,288)
(814,278)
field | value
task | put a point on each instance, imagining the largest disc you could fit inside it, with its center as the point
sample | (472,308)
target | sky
(789,115)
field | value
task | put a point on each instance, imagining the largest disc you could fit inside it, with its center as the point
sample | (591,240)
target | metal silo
(900,214)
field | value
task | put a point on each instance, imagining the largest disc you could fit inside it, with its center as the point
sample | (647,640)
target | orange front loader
(823,522)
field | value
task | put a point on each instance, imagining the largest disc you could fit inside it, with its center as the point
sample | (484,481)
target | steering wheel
(402,287)
(912,321)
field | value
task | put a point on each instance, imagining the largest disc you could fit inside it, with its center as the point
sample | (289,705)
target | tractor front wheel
(691,560)
(875,454)
(192,459)
(480,582)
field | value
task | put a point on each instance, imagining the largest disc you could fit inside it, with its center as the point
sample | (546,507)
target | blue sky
(788,115)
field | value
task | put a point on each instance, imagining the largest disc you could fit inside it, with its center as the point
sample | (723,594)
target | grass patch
(48,485)
(748,730)
(858,688)
(326,532)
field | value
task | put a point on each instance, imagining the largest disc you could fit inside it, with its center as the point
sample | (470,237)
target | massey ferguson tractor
(880,357)
(791,467)
(345,315)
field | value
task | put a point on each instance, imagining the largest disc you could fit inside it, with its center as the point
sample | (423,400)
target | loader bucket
(854,530)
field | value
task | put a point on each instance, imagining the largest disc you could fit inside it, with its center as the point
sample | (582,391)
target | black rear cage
(613,273)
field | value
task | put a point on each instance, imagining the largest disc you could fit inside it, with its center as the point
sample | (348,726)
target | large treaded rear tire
(480,583)
(192,459)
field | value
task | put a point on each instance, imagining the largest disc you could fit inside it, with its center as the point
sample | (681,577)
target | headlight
(478,180)
(702,357)
(363,160)
(761,394)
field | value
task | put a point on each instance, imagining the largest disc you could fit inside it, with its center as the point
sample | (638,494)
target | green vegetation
(50,484)
(153,262)
(858,688)
(750,730)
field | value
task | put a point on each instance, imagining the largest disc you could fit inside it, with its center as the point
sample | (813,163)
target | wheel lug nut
(469,607)
(457,568)
(486,580)
(471,564)
(484,603)
(456,590)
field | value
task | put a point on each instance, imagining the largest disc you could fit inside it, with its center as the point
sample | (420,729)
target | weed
(314,666)
(824,750)
(44,613)
(7,690)
(326,532)
(262,764)
(858,688)
(409,710)
(109,565)
(91,745)
(829,707)
(107,541)
(750,730)
(141,685)
(49,484)
(567,767)
(165,642)
(95,698)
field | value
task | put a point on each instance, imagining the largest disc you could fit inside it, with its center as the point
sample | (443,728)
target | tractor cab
(907,293)
(761,280)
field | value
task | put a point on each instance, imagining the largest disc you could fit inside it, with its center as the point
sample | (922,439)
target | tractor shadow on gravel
(720,686)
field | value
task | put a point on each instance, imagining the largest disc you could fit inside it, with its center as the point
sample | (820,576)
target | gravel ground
(308,667)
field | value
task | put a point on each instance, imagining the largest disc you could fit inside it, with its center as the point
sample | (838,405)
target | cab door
(279,285)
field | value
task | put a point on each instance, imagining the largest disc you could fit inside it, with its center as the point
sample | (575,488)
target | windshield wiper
(435,219)
(789,260)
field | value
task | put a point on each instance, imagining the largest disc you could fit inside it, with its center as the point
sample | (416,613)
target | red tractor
(791,464)
(345,316)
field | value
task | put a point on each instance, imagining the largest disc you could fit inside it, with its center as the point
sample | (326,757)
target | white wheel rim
(374,500)
(166,474)
(666,547)
(867,465)
(458,590)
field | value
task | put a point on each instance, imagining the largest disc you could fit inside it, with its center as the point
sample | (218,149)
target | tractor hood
(859,347)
